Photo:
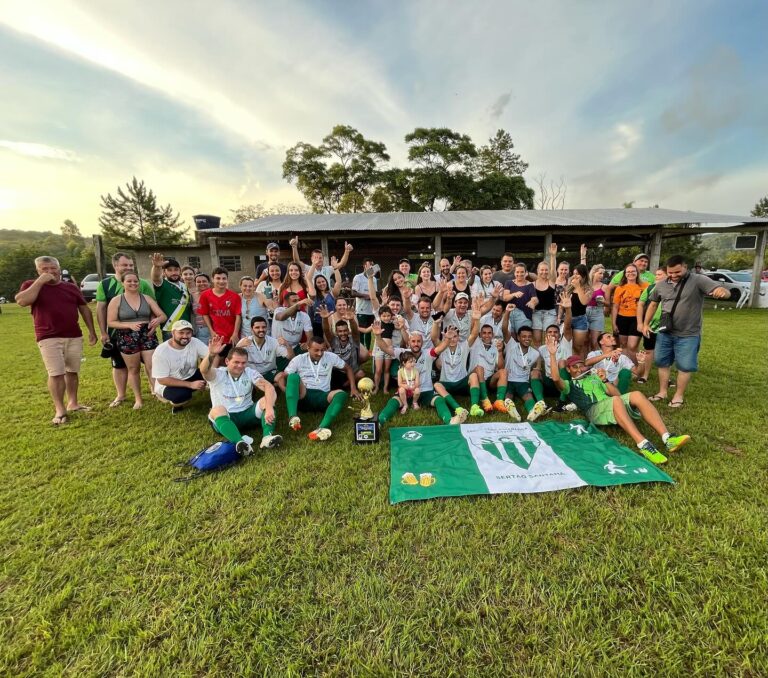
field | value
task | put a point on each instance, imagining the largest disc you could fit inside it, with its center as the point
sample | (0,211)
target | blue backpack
(213,458)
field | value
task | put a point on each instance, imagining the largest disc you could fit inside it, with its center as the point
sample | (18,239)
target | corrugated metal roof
(441,221)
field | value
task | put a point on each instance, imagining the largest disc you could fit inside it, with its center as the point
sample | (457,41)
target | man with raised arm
(171,293)
(486,361)
(603,405)
(264,351)
(317,264)
(232,406)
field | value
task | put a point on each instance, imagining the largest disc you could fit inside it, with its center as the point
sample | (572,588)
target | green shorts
(247,419)
(519,388)
(270,376)
(601,414)
(457,387)
(314,401)
(425,398)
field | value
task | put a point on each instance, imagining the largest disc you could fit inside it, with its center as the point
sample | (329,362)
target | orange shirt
(626,296)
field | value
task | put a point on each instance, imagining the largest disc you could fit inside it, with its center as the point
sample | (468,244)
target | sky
(645,101)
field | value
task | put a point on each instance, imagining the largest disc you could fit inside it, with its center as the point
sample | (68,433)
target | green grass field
(294,563)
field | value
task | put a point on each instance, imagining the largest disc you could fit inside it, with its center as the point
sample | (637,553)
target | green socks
(334,409)
(537,386)
(292,394)
(501,392)
(625,379)
(451,402)
(227,428)
(392,406)
(474,395)
(483,391)
(442,410)
(267,428)
(529,404)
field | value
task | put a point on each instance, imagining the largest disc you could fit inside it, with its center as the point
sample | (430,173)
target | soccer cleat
(270,441)
(652,454)
(243,448)
(674,443)
(509,404)
(499,406)
(538,409)
(320,434)
(486,405)
(459,417)
(476,411)
(295,423)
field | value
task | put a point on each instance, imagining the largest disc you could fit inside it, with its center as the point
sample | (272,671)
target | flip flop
(676,404)
(656,398)
(117,402)
(81,408)
(58,420)
(642,380)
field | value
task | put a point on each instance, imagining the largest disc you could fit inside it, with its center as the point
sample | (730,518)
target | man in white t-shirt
(495,318)
(545,384)
(421,321)
(292,324)
(363,305)
(264,351)
(174,366)
(522,364)
(317,259)
(486,361)
(619,368)
(459,316)
(232,406)
(308,387)
(430,394)
(454,356)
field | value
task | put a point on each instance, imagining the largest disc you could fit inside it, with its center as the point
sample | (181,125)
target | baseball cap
(273,246)
(574,360)
(642,255)
(181,325)
(404,260)
(171,263)
(462,295)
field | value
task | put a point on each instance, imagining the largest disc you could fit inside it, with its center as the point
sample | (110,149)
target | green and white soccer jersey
(585,391)
(497,325)
(418,324)
(463,324)
(611,368)
(564,351)
(505,457)
(263,359)
(484,356)
(173,298)
(424,363)
(520,362)
(233,393)
(291,329)
(454,362)
(315,375)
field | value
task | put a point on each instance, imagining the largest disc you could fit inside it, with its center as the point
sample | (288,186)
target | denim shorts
(682,351)
(596,318)
(580,323)
(518,319)
(543,319)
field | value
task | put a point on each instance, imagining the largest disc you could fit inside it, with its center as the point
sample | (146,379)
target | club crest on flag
(411,435)
(517,451)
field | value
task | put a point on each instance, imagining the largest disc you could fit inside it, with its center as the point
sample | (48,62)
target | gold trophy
(366,426)
(365,386)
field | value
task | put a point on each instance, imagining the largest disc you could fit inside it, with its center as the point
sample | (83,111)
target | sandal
(676,404)
(59,419)
(117,402)
(657,397)
(81,408)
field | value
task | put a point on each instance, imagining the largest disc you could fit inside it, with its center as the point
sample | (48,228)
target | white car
(739,284)
(89,284)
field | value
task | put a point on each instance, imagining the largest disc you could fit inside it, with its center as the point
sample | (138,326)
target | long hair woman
(596,306)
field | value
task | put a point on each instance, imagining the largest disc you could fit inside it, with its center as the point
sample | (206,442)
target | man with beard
(273,257)
(171,293)
(486,362)
(345,343)
(617,366)
(233,409)
(523,374)
(175,366)
(264,351)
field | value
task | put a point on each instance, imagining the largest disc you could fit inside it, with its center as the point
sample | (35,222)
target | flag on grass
(497,457)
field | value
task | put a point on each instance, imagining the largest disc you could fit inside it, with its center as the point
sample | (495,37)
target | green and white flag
(498,457)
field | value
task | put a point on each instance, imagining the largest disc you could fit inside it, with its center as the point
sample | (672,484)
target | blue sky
(656,102)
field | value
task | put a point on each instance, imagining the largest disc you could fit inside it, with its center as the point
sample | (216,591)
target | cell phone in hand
(372,271)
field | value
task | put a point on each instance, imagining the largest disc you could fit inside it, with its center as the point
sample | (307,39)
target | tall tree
(761,208)
(259,210)
(70,230)
(339,174)
(498,157)
(133,217)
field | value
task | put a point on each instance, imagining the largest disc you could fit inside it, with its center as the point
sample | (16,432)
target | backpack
(212,458)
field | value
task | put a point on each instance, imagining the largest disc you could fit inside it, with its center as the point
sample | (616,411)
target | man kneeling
(232,398)
(604,405)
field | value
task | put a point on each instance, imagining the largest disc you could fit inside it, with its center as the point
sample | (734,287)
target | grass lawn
(294,563)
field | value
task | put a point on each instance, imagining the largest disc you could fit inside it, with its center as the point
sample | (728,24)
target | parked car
(736,282)
(89,284)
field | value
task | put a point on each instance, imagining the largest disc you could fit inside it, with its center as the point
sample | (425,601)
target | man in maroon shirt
(55,305)
(221,309)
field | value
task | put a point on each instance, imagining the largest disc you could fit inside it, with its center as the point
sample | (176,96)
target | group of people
(498,335)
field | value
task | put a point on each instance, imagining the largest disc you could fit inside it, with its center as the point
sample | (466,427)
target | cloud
(498,106)
(628,137)
(33,150)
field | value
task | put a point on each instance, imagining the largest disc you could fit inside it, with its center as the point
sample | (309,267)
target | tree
(340,174)
(70,230)
(393,193)
(134,218)
(259,210)
(761,208)
(498,157)
(552,197)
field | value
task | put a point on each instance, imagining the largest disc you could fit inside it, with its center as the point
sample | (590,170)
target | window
(230,262)
(194,262)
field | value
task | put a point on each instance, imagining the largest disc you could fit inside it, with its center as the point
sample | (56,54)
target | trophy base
(365,430)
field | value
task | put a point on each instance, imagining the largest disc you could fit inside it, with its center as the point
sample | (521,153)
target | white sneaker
(320,434)
(538,409)
(270,441)
(294,423)
(459,416)
(570,407)
(243,448)
(511,409)
(248,440)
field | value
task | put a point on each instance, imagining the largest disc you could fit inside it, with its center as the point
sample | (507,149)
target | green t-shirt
(645,276)
(169,296)
(586,391)
(654,324)
(115,287)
